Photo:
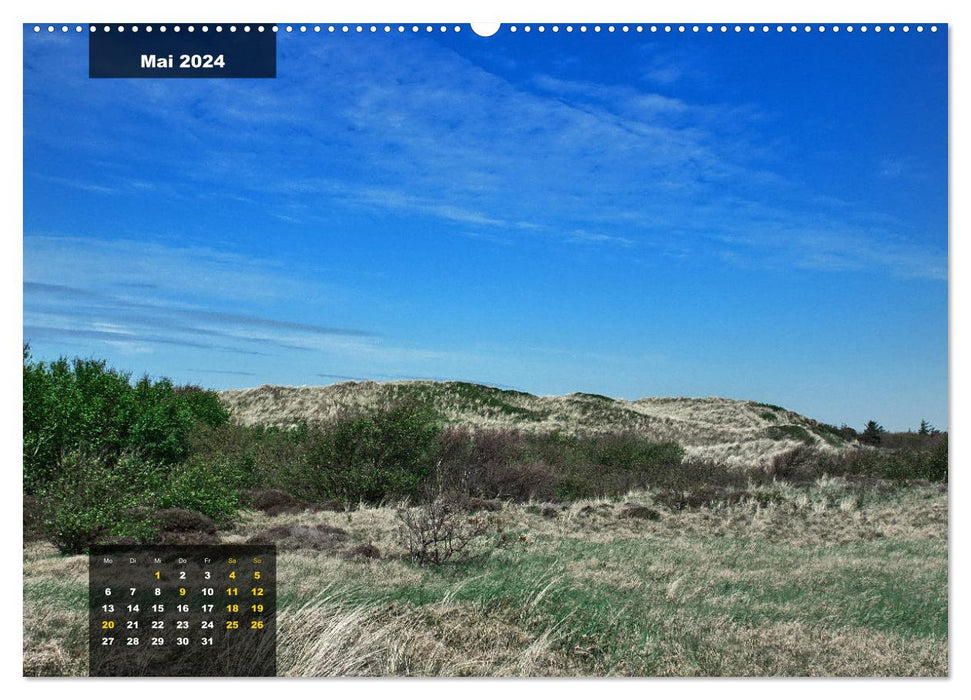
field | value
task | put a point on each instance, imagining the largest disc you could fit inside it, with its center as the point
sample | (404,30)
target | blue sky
(752,216)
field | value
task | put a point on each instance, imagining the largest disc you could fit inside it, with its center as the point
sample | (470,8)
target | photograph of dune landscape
(582,350)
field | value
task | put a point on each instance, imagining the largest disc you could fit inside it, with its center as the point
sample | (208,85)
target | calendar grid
(171,610)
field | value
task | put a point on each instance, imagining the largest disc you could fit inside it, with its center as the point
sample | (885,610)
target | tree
(872,433)
(927,429)
(847,433)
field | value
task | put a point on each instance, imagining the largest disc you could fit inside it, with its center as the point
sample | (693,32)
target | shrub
(933,460)
(805,463)
(847,433)
(574,487)
(439,531)
(698,472)
(69,408)
(926,459)
(210,486)
(473,463)
(92,502)
(522,466)
(204,405)
(388,453)
(637,461)
(85,406)
(95,499)
(274,457)
(519,481)
(402,451)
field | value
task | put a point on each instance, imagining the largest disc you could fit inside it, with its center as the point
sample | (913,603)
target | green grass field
(835,578)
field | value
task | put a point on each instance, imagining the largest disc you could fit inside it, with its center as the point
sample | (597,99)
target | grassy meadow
(833,578)
(460,530)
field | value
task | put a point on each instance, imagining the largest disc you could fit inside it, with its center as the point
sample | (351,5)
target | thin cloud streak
(71,304)
(221,371)
(51,333)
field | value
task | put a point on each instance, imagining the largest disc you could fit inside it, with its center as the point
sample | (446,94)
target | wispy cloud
(123,339)
(185,272)
(900,168)
(81,184)
(237,373)
(582,236)
(415,129)
(158,306)
(113,320)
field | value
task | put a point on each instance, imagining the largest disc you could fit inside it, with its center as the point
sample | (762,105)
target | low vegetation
(442,531)
(83,406)
(838,577)
(502,548)
(734,433)
(920,458)
(101,451)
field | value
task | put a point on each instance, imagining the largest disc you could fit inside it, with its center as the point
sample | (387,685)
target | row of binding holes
(414,28)
(303,28)
(713,28)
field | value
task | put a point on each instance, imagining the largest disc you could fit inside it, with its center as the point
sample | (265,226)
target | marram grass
(828,579)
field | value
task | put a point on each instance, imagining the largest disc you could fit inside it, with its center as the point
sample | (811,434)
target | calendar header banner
(181,51)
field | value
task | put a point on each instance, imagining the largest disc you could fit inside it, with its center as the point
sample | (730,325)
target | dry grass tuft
(328,637)
(55,612)
(723,648)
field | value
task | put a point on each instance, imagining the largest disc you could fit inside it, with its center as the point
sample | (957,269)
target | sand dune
(737,432)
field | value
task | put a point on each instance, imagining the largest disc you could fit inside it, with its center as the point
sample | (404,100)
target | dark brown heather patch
(639,511)
(288,537)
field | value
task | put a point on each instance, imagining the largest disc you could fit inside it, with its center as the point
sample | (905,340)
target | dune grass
(734,432)
(830,579)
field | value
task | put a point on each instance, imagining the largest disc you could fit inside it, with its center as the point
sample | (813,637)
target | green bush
(386,453)
(204,405)
(208,486)
(609,463)
(92,502)
(270,457)
(522,466)
(86,407)
(356,457)
(70,407)
(927,460)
